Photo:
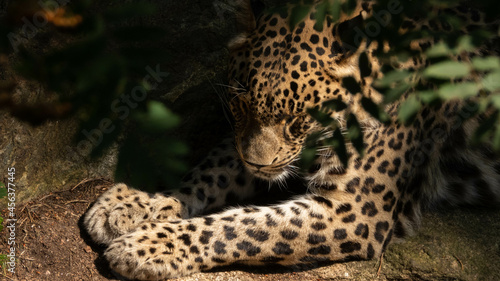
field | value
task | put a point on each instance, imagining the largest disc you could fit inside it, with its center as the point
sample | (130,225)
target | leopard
(348,212)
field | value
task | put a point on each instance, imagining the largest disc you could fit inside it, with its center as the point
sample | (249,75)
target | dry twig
(461,264)
(380,264)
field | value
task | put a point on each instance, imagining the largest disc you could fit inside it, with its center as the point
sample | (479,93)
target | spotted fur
(351,212)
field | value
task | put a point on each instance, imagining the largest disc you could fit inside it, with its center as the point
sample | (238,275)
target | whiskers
(280,179)
(222,94)
(289,171)
(293,171)
(280,182)
(237,90)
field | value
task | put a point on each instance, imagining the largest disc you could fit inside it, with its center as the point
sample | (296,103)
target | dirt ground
(453,245)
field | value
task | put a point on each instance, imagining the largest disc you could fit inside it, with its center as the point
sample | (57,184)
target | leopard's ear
(247,15)
(249,12)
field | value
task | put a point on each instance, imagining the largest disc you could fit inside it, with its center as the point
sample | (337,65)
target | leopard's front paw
(152,252)
(121,209)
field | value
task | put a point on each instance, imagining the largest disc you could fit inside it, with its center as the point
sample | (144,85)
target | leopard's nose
(260,147)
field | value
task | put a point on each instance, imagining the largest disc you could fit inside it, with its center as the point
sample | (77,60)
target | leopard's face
(275,75)
(268,146)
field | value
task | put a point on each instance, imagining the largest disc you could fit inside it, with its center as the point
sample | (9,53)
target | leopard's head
(275,75)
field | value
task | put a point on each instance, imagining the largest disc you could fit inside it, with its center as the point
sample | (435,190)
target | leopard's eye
(293,127)
(238,105)
(289,120)
(297,127)
(239,109)
(284,119)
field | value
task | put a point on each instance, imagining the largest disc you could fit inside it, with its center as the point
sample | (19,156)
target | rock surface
(46,157)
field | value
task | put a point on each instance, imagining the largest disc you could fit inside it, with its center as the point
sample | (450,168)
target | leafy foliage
(150,141)
(3,260)
(3,190)
(335,140)
(443,78)
(101,70)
